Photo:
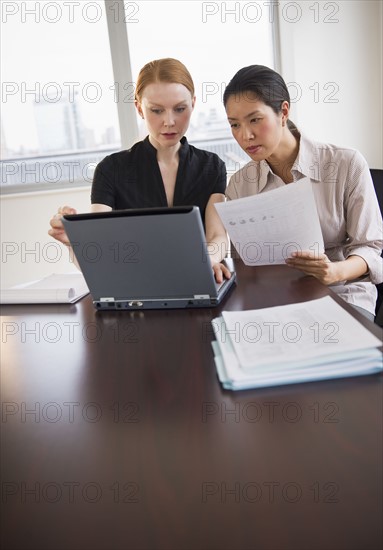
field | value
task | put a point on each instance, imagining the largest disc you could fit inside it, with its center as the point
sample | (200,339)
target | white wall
(347,52)
(24,227)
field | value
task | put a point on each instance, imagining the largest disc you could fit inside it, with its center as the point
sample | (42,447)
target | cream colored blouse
(348,209)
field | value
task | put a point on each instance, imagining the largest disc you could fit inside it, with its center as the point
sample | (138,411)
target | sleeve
(363,218)
(103,187)
(231,190)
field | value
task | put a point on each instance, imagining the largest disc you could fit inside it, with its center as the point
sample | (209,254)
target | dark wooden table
(116,434)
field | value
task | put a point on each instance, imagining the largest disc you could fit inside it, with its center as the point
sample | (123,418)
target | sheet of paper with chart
(266,228)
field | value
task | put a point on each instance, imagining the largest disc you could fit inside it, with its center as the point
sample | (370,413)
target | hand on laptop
(221,272)
(57,229)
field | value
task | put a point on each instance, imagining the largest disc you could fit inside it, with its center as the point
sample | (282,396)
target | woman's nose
(247,133)
(169,119)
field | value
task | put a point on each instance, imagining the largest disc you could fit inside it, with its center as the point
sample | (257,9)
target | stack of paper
(312,340)
(55,289)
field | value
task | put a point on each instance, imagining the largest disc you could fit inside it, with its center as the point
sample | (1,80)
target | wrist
(339,272)
(350,269)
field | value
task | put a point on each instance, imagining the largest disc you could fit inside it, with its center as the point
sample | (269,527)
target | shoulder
(250,170)
(244,182)
(328,152)
(121,158)
(203,156)
(329,162)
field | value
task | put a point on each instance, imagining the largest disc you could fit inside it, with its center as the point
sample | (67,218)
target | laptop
(152,258)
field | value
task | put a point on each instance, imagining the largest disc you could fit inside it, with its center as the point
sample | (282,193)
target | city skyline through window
(59,97)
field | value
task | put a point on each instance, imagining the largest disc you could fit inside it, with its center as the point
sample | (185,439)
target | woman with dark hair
(257,104)
(163,169)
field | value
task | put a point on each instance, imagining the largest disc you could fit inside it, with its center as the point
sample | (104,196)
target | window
(58,114)
(214,40)
(60,96)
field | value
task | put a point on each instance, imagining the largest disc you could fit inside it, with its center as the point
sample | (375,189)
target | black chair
(377,178)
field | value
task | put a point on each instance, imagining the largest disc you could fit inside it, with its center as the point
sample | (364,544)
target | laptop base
(111,304)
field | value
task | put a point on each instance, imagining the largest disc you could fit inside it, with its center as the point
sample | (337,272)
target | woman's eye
(234,125)
(180,109)
(156,111)
(255,120)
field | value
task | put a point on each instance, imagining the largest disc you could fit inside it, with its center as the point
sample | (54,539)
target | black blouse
(132,178)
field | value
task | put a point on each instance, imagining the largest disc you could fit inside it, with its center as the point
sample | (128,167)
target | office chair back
(377,178)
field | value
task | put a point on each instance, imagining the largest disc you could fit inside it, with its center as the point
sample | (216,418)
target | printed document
(267,228)
(293,343)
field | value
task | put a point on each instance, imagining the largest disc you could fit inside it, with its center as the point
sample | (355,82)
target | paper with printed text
(267,228)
